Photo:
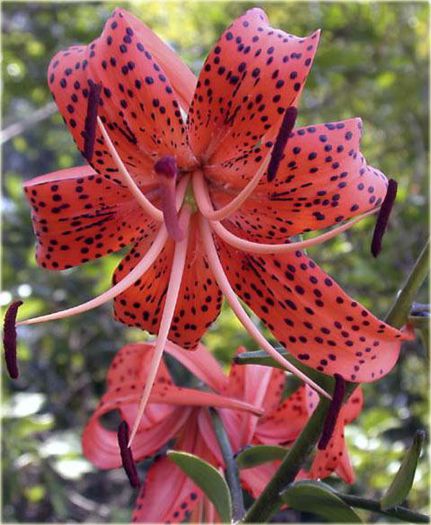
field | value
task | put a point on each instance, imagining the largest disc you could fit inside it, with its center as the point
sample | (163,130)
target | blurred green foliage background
(372,62)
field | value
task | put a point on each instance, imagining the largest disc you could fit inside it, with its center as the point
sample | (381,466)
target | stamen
(333,412)
(129,464)
(166,167)
(223,282)
(206,207)
(145,204)
(143,265)
(383,217)
(91,120)
(255,247)
(175,279)
(277,152)
(9,339)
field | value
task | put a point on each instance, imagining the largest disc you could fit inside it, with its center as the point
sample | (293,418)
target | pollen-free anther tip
(277,152)
(9,339)
(333,412)
(129,464)
(383,217)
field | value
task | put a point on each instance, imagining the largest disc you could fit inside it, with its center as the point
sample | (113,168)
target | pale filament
(236,306)
(144,203)
(143,265)
(175,278)
(206,207)
(255,247)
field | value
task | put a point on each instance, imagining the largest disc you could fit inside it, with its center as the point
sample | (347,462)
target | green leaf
(403,480)
(255,456)
(320,499)
(208,479)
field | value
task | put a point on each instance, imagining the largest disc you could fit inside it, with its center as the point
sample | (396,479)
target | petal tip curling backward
(9,339)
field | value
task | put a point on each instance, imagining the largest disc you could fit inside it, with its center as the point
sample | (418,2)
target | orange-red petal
(283,425)
(323,180)
(252,74)
(168,495)
(138,104)
(79,215)
(181,78)
(312,316)
(199,300)
(202,364)
(335,458)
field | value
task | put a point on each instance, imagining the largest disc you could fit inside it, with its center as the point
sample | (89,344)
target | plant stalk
(269,501)
(232,471)
(374,506)
(399,312)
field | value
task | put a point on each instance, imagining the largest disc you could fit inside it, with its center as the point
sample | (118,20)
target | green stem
(397,315)
(374,506)
(269,501)
(232,472)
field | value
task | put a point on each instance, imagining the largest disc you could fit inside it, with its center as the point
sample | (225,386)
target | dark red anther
(9,339)
(166,166)
(333,412)
(91,120)
(383,217)
(286,127)
(129,464)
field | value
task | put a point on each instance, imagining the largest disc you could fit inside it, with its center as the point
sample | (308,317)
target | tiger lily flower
(208,180)
(181,413)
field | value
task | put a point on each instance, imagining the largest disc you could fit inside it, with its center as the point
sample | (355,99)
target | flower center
(167,170)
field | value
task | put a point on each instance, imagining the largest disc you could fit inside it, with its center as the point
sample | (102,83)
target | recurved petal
(77,215)
(323,180)
(100,445)
(255,479)
(252,74)
(137,103)
(202,364)
(199,300)
(334,458)
(181,78)
(283,425)
(312,316)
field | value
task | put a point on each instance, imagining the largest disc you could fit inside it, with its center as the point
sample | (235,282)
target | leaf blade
(319,498)
(208,479)
(403,480)
(255,456)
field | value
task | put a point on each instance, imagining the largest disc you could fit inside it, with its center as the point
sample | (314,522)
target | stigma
(167,171)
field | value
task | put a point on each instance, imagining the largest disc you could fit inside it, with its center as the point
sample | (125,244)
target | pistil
(166,168)
(175,278)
